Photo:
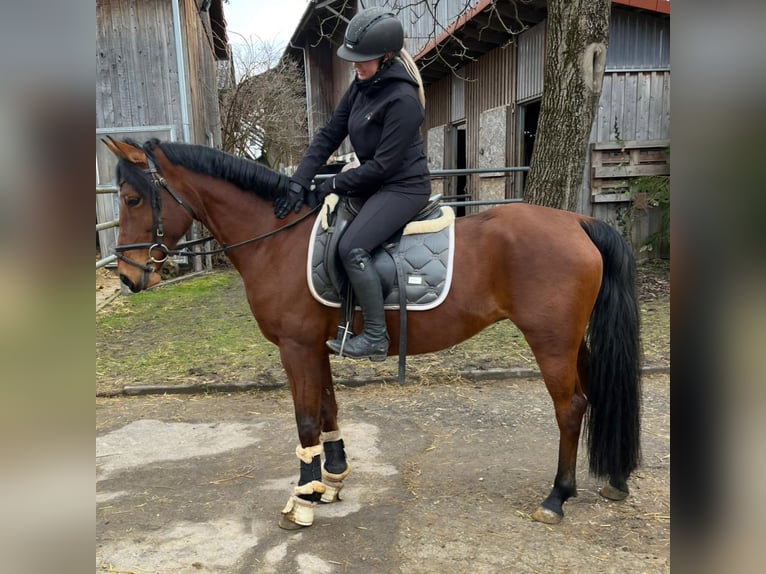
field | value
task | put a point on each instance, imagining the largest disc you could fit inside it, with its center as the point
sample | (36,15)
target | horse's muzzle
(129,284)
(139,279)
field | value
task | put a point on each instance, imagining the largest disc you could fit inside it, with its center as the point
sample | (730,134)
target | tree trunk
(577,33)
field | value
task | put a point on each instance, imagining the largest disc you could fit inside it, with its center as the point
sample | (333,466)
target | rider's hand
(290,201)
(325,188)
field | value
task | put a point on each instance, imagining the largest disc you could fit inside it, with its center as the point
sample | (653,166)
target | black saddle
(414,264)
(383,260)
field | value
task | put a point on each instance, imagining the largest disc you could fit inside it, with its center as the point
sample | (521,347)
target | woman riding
(381,113)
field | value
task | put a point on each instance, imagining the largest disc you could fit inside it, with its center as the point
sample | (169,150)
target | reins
(223,249)
(159,183)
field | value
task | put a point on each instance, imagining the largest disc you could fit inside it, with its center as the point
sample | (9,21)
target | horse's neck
(231,215)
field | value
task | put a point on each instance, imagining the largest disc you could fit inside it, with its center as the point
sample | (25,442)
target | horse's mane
(246,174)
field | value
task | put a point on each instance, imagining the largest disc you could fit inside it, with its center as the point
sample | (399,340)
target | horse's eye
(132,201)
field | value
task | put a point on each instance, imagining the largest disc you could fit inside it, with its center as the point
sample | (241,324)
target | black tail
(614,367)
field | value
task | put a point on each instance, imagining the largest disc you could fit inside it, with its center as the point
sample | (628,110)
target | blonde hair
(412,70)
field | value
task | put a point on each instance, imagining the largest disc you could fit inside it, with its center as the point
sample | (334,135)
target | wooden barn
(484,80)
(159,66)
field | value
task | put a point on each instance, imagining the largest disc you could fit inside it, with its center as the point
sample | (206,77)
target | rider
(381,113)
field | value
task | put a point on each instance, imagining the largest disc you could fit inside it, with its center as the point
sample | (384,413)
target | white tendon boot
(299,512)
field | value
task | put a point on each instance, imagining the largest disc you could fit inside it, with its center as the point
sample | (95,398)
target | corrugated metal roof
(638,41)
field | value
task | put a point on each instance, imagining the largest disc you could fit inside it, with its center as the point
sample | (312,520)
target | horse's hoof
(286,524)
(612,493)
(297,513)
(332,491)
(547,516)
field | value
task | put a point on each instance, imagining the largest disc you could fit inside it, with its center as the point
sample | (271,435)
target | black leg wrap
(309,472)
(334,456)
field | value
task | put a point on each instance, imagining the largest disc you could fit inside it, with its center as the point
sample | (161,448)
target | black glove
(292,200)
(326,188)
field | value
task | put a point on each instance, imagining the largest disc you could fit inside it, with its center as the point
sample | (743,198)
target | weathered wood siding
(531,53)
(137,74)
(490,83)
(328,78)
(137,81)
(419,21)
(438,103)
(201,74)
(633,106)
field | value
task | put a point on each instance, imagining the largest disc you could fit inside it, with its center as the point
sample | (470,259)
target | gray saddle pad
(427,258)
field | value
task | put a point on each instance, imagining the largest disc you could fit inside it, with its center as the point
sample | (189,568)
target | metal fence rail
(436,173)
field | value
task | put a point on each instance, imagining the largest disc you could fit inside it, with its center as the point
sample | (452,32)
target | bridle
(158,184)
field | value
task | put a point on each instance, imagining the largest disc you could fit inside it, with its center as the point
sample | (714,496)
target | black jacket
(382,117)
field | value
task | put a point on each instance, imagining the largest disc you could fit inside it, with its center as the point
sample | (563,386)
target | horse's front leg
(310,378)
(336,467)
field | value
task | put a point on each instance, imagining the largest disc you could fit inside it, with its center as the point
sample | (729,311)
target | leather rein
(157,185)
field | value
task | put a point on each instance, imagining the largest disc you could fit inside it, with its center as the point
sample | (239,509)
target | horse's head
(149,224)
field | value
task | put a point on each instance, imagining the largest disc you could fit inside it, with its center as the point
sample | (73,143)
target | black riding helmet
(370,35)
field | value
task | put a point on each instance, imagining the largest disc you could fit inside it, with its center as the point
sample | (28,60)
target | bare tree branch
(263,116)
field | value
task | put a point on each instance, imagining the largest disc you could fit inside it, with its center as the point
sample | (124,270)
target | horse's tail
(614,365)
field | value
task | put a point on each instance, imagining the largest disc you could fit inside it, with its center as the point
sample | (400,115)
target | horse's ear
(125,151)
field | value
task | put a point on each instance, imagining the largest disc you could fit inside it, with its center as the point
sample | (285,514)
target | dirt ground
(444,479)
(107,287)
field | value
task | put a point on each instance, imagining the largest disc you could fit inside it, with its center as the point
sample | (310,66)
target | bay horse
(565,280)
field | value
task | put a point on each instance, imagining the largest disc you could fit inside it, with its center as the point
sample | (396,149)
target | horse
(567,281)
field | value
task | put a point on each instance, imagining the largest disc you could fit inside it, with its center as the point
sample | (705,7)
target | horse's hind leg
(562,380)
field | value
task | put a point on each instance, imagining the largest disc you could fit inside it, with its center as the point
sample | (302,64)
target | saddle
(414,264)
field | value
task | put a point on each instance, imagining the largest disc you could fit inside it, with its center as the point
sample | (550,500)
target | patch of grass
(201,331)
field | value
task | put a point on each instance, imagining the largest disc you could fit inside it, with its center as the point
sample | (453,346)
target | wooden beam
(631,170)
(630,144)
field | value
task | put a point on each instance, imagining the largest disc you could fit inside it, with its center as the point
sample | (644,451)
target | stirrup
(343,335)
(366,353)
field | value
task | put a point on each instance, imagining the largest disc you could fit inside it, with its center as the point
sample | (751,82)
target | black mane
(248,175)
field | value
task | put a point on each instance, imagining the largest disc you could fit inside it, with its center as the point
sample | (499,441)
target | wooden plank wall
(137,75)
(632,128)
(614,164)
(633,106)
(137,71)
(328,77)
(201,75)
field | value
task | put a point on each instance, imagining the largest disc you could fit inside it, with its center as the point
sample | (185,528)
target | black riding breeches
(382,215)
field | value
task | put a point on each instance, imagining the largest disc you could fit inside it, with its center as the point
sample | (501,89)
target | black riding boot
(373,342)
